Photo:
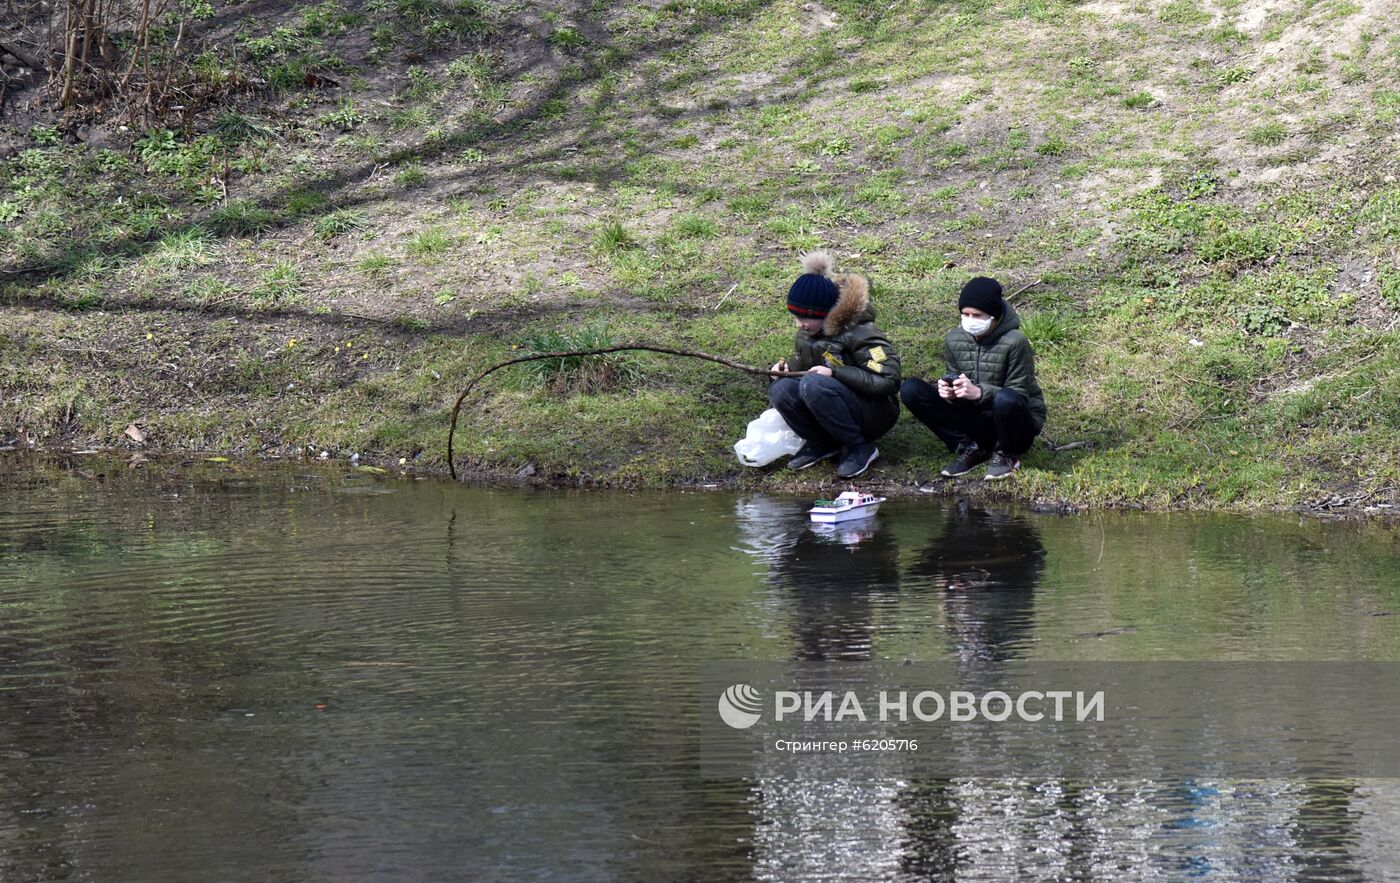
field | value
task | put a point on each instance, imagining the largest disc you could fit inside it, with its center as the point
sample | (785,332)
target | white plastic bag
(769,438)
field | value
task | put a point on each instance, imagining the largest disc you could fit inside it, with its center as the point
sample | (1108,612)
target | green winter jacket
(1001,358)
(857,352)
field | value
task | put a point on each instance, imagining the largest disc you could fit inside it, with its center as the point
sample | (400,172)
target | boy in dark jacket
(850,394)
(988,407)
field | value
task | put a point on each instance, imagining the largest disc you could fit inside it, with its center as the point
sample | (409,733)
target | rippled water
(208,672)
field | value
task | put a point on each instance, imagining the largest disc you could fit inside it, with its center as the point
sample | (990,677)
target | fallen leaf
(136,434)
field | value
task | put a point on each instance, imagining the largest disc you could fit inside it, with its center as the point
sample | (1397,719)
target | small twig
(79,351)
(731,290)
(1185,379)
(219,301)
(1024,288)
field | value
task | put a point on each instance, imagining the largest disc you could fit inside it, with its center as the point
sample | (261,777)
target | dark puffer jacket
(1001,358)
(857,352)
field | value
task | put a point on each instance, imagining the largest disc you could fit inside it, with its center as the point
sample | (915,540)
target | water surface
(211,672)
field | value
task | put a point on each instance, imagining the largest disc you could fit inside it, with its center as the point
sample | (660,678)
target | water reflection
(834,575)
(260,674)
(845,590)
(986,566)
(834,582)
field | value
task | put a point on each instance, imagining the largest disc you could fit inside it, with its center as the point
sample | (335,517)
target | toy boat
(847,507)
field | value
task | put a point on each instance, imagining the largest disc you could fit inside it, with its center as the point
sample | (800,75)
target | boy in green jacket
(988,407)
(849,396)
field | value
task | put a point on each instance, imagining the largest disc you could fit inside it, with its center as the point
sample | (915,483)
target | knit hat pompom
(818,262)
(983,293)
(814,293)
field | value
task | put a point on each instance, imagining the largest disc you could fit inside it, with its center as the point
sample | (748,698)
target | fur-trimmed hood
(853,300)
(852,305)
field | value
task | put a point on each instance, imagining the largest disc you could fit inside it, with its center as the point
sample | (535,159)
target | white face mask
(976,327)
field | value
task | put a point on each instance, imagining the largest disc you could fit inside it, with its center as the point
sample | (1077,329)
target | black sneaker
(810,455)
(1002,466)
(969,458)
(858,459)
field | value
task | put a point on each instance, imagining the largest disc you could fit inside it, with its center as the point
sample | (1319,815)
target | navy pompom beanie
(812,296)
(983,294)
(814,293)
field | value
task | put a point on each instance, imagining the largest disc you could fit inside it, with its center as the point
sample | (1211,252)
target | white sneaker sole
(946,474)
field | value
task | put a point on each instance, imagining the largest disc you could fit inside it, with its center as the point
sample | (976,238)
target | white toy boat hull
(822,515)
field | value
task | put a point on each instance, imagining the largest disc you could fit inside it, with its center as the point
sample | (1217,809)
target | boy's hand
(966,389)
(945,389)
(780,365)
(821,370)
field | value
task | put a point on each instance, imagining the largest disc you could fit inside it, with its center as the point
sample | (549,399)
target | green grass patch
(1183,12)
(429,242)
(573,375)
(1268,134)
(611,237)
(280,285)
(241,217)
(340,222)
(695,227)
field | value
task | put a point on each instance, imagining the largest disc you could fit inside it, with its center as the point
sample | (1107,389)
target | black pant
(1008,426)
(828,413)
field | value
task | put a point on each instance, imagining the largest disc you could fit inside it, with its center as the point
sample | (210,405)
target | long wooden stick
(693,354)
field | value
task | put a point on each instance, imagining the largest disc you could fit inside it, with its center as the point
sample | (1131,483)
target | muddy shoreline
(99,463)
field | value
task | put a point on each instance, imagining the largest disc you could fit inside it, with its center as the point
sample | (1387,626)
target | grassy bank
(1206,193)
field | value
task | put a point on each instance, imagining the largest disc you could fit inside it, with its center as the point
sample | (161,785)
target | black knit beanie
(812,296)
(983,294)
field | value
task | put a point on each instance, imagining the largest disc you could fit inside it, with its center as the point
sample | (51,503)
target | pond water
(210,672)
